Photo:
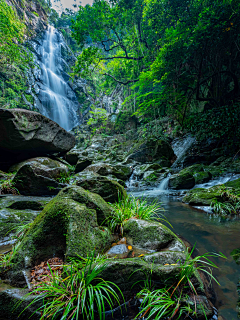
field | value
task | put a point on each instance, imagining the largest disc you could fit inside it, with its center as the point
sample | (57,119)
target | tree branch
(121,82)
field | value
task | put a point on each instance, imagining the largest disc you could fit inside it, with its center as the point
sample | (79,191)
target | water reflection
(211,233)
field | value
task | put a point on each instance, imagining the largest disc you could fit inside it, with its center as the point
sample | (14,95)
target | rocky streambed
(64,197)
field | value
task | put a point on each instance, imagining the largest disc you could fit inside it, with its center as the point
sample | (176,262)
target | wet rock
(152,151)
(109,190)
(120,171)
(82,164)
(141,169)
(68,226)
(150,235)
(236,255)
(118,249)
(182,181)
(3,176)
(203,197)
(13,306)
(233,184)
(73,156)
(202,177)
(42,161)
(23,203)
(39,180)
(25,134)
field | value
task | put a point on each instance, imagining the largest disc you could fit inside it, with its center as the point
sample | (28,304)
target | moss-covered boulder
(233,184)
(141,169)
(152,150)
(202,177)
(151,235)
(68,226)
(45,161)
(236,255)
(37,179)
(183,180)
(195,168)
(108,189)
(203,197)
(119,170)
(23,203)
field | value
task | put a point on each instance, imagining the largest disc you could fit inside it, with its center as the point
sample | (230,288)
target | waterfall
(59,101)
(180,148)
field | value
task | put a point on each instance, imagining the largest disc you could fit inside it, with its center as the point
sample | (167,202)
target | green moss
(183,180)
(233,184)
(204,197)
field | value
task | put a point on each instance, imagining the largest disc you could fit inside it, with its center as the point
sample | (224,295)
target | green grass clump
(130,207)
(78,293)
(171,303)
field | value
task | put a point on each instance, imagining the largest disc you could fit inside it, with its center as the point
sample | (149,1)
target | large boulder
(68,226)
(203,197)
(120,171)
(108,189)
(36,179)
(25,134)
(151,235)
(153,150)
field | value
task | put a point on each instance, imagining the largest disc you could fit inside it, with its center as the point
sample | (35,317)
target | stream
(210,233)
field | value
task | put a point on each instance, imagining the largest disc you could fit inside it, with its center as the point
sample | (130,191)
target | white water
(58,99)
(180,148)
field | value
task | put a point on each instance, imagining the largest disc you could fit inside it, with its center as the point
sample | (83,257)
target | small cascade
(164,184)
(180,148)
(132,180)
(26,278)
(58,100)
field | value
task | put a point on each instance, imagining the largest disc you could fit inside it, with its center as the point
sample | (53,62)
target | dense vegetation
(177,58)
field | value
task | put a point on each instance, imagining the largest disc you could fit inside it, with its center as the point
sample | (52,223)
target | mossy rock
(11,219)
(82,164)
(66,227)
(233,184)
(150,235)
(183,180)
(202,177)
(23,203)
(203,197)
(120,171)
(140,170)
(195,168)
(109,190)
(37,179)
(42,161)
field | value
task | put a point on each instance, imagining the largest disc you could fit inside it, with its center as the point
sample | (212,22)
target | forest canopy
(177,57)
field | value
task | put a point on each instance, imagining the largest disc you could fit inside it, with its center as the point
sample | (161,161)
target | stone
(182,181)
(118,249)
(82,164)
(67,227)
(203,197)
(73,156)
(152,150)
(202,177)
(109,190)
(150,235)
(45,161)
(35,179)
(141,169)
(120,171)
(23,203)
(25,134)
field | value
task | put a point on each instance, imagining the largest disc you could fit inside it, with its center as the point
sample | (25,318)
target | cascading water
(180,148)
(58,100)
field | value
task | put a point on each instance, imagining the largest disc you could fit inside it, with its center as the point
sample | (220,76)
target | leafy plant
(6,259)
(129,207)
(80,292)
(171,302)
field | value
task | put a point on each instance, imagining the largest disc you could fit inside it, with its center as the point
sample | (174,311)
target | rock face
(40,177)
(25,134)
(68,225)
(203,197)
(120,171)
(153,151)
(108,189)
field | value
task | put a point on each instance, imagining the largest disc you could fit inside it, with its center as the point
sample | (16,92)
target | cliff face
(32,14)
